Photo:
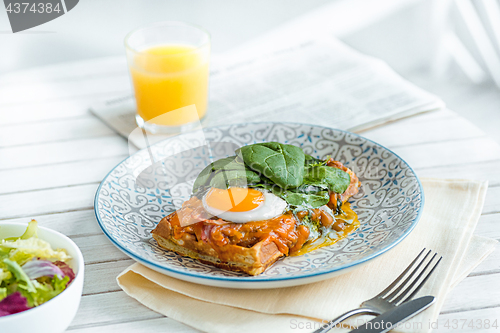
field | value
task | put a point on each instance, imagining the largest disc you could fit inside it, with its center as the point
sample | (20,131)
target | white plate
(139,192)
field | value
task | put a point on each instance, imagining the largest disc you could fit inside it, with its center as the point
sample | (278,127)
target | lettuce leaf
(45,291)
(34,247)
(31,272)
(31,231)
(23,280)
(3,293)
(4,275)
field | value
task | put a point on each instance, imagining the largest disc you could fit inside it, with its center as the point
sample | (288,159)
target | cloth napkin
(452,209)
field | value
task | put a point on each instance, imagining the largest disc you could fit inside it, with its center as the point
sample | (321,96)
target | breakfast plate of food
(259,205)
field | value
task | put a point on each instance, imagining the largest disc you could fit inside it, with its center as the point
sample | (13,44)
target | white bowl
(55,315)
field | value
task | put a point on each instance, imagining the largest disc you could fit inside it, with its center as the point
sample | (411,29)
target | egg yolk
(234,199)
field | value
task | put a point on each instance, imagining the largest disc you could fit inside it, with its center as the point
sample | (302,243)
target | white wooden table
(54,153)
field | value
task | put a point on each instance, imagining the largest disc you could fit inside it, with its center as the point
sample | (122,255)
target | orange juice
(167,78)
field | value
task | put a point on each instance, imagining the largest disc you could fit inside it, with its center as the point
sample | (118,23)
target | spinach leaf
(281,163)
(334,179)
(224,178)
(273,188)
(304,196)
(311,161)
(206,174)
(224,172)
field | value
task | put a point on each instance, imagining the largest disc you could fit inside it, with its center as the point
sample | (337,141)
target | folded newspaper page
(313,79)
(317,81)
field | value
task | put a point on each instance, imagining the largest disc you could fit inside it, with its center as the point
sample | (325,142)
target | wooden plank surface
(110,308)
(71,71)
(57,175)
(41,92)
(152,325)
(449,152)
(98,249)
(428,127)
(76,223)
(58,130)
(53,154)
(30,204)
(26,113)
(106,273)
(461,321)
(62,152)
(488,226)
(469,170)
(491,265)
(480,293)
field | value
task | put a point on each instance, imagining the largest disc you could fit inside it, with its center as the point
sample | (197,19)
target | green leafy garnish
(31,271)
(31,231)
(281,163)
(302,180)
(314,226)
(303,197)
(313,161)
(334,179)
(306,200)
(3,293)
(23,250)
(46,291)
(23,280)
(229,171)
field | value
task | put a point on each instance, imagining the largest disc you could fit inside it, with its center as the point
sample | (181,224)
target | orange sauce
(281,230)
(349,216)
(290,238)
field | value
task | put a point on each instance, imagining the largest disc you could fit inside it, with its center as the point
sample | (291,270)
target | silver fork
(399,291)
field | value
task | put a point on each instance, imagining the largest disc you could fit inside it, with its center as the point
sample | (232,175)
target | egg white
(271,207)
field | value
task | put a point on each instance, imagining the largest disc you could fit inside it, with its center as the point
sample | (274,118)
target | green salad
(31,272)
(303,181)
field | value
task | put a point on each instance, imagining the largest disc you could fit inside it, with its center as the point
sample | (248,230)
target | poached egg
(241,205)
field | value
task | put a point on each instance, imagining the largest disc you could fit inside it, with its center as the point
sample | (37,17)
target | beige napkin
(452,209)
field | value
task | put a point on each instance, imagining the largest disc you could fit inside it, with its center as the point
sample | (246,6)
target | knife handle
(395,316)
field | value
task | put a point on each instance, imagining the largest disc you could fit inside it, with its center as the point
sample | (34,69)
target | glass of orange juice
(169,66)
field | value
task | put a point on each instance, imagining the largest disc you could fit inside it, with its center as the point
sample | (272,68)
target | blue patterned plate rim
(273,279)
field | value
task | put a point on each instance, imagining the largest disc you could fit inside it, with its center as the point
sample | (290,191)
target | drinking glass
(169,67)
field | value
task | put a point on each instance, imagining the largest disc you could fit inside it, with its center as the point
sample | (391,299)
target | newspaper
(314,79)
(317,81)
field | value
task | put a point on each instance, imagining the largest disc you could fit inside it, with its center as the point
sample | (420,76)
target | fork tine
(403,285)
(423,281)
(395,282)
(408,288)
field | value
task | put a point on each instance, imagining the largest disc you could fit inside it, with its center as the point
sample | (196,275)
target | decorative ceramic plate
(154,182)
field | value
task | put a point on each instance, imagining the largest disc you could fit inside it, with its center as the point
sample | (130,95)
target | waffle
(246,247)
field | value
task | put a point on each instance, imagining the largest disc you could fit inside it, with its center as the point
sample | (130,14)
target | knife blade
(389,319)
